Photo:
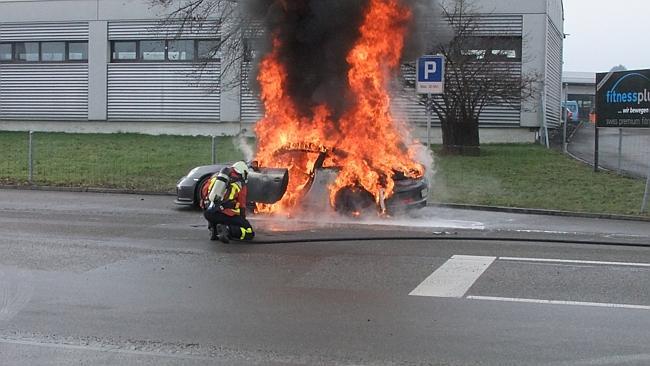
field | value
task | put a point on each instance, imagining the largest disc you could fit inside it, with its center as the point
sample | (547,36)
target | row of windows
(492,48)
(495,48)
(121,51)
(164,50)
(59,51)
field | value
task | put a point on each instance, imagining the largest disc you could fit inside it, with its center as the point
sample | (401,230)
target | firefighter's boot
(222,233)
(213,232)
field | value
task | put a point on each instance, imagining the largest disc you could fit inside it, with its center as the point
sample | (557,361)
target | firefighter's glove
(216,206)
(219,205)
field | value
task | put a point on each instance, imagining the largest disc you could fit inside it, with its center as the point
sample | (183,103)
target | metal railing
(129,161)
(625,151)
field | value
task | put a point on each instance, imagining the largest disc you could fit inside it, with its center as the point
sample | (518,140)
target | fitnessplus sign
(623,99)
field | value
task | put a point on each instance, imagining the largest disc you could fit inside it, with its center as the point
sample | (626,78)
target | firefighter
(226,204)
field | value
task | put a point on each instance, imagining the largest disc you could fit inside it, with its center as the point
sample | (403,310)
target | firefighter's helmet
(241,168)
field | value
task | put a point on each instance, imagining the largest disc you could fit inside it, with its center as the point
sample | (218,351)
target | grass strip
(509,175)
(531,176)
(125,161)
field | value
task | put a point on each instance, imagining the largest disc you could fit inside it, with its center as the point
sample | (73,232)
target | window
(508,54)
(208,49)
(125,50)
(27,51)
(48,51)
(493,48)
(152,50)
(506,49)
(52,51)
(180,50)
(78,51)
(478,54)
(251,45)
(6,52)
(188,50)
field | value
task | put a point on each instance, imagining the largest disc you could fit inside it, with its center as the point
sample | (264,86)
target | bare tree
(226,20)
(481,70)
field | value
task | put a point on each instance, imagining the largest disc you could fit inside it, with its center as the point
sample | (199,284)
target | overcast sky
(603,34)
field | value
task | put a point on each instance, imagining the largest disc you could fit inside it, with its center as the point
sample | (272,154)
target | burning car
(333,127)
(267,186)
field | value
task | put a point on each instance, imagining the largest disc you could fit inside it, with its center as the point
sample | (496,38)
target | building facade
(110,66)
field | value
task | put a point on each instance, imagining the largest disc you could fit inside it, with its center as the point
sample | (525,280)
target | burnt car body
(268,185)
(265,185)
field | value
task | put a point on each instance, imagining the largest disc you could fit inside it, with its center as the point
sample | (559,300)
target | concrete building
(106,66)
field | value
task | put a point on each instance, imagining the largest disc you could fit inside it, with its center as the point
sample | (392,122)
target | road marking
(454,277)
(629,264)
(560,302)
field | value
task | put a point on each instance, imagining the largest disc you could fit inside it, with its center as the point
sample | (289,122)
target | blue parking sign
(430,75)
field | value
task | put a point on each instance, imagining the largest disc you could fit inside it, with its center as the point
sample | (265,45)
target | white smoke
(424,155)
(244,145)
(424,218)
(407,130)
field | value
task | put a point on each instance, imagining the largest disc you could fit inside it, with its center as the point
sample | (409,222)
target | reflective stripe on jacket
(235,199)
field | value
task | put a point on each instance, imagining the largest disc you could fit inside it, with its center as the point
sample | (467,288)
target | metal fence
(131,161)
(625,151)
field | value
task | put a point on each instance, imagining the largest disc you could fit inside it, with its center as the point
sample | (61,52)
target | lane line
(559,302)
(454,277)
(628,264)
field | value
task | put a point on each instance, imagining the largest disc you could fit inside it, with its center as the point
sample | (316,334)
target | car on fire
(268,186)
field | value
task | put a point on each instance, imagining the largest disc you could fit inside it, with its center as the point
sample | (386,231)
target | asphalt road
(101,279)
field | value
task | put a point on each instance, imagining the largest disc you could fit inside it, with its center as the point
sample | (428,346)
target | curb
(85,189)
(529,211)
(537,211)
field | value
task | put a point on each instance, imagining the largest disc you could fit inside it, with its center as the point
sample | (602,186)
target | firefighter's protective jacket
(228,192)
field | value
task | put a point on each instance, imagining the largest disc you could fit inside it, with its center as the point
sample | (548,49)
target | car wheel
(354,201)
(197,191)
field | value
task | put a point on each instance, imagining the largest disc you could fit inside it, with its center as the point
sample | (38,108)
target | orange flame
(367,132)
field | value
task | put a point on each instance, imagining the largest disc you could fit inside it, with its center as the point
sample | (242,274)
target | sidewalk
(635,157)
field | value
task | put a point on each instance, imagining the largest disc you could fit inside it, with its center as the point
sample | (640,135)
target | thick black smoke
(427,31)
(317,35)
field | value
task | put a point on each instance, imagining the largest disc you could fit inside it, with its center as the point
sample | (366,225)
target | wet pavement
(109,279)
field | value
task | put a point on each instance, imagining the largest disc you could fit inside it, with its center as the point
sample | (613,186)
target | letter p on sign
(430,68)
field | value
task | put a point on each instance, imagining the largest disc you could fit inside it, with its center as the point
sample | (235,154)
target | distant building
(581,88)
(106,66)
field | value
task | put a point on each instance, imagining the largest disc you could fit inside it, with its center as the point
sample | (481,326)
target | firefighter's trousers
(238,227)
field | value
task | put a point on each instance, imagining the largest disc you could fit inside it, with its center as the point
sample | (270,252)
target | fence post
(596,148)
(214,150)
(565,116)
(428,108)
(31,157)
(646,195)
(620,148)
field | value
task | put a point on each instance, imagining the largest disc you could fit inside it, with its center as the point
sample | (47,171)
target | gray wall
(536,59)
(98,13)
(75,10)
(97,60)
